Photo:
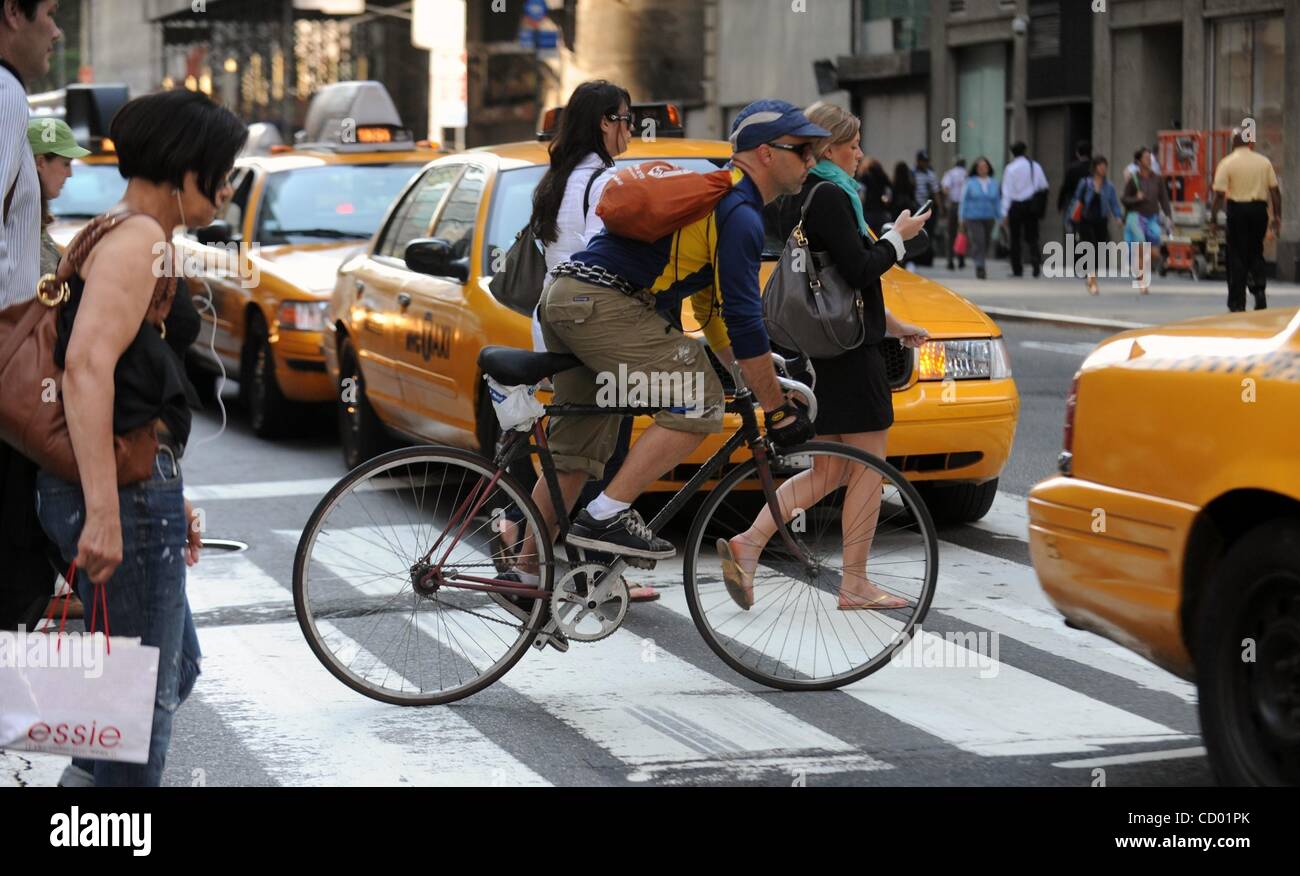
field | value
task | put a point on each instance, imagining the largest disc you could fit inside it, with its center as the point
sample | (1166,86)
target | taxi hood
(1227,335)
(921,301)
(311,267)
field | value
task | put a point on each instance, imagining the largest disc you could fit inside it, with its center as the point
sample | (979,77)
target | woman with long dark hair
(877,196)
(120,346)
(595,128)
(904,189)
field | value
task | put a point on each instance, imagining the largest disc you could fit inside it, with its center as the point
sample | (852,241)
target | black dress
(853,393)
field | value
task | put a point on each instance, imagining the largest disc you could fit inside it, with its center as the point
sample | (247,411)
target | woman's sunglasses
(625,118)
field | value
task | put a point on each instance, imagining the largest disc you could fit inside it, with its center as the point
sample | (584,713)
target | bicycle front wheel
(819,618)
(384,577)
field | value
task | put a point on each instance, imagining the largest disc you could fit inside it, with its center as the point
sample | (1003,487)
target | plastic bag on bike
(517,407)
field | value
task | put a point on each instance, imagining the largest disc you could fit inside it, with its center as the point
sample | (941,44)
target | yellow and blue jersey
(713,261)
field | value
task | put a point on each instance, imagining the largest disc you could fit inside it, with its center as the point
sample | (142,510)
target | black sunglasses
(625,118)
(803,150)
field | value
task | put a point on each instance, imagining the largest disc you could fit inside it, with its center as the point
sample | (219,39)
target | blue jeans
(146,595)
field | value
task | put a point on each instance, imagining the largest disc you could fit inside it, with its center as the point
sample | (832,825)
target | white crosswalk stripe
(662,714)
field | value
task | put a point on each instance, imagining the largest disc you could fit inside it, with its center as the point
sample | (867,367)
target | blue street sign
(535,10)
(548,39)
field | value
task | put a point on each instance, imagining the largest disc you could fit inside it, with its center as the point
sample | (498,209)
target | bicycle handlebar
(801,389)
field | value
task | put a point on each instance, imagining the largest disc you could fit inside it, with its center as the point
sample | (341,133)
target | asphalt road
(1064,707)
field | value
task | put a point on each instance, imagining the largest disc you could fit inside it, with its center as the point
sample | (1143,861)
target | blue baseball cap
(765,120)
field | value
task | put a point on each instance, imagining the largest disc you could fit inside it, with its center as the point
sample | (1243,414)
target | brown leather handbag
(32,418)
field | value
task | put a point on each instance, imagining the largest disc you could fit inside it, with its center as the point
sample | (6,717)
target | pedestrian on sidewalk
(904,197)
(1247,181)
(951,189)
(980,207)
(1147,200)
(1135,165)
(927,189)
(117,343)
(54,148)
(1081,169)
(877,196)
(27,38)
(1096,203)
(1024,202)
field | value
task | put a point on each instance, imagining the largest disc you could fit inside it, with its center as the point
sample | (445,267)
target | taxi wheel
(958,503)
(360,432)
(269,412)
(1248,659)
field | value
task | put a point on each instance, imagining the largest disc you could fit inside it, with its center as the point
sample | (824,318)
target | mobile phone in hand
(923,207)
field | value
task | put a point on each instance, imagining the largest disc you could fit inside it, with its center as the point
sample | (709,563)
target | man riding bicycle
(616,306)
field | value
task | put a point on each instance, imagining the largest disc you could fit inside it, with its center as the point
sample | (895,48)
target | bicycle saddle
(513,367)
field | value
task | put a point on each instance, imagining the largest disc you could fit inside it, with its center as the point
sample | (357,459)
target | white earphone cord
(209,307)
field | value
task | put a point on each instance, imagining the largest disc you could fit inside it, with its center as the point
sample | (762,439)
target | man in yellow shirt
(1247,181)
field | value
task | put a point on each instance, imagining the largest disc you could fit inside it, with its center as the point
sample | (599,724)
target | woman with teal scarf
(854,402)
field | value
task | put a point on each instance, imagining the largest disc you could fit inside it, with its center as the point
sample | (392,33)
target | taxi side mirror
(217,232)
(434,256)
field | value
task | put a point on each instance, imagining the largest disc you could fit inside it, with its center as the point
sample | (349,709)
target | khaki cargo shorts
(632,357)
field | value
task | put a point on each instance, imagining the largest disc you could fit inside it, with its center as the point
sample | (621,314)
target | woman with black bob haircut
(120,343)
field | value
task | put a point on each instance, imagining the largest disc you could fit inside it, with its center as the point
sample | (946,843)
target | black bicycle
(395,582)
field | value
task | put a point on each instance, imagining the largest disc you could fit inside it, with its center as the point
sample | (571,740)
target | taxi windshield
(512,201)
(91,190)
(336,202)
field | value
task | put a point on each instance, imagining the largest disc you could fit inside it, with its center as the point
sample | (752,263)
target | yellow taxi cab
(410,314)
(95,184)
(268,261)
(1174,526)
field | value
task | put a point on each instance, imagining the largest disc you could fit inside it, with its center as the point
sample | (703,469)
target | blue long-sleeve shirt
(982,199)
(713,261)
(1109,199)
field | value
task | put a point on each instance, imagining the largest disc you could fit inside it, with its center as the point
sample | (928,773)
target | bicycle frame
(517,445)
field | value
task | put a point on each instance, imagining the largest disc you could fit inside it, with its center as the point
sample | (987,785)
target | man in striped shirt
(27,37)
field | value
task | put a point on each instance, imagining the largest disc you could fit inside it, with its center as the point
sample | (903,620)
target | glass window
(338,201)
(1249,74)
(895,26)
(91,190)
(414,217)
(456,222)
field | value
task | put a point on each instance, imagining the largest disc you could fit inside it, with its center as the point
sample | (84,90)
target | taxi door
(382,300)
(218,285)
(436,367)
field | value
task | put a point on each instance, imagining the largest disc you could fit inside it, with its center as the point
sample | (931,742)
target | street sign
(547,39)
(535,11)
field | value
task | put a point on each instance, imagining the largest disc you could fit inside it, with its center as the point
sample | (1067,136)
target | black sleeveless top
(149,382)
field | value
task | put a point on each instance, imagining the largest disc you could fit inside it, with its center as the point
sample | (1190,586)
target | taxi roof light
(667,118)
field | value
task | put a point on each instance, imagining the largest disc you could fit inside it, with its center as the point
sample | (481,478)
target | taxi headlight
(967,359)
(302,316)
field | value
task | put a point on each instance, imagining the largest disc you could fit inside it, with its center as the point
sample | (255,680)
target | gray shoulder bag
(813,311)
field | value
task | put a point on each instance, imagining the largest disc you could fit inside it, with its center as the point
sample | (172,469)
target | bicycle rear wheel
(869,525)
(361,579)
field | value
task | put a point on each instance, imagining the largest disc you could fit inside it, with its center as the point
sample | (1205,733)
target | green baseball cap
(51,136)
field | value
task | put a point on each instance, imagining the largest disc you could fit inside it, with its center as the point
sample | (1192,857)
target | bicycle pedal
(640,563)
